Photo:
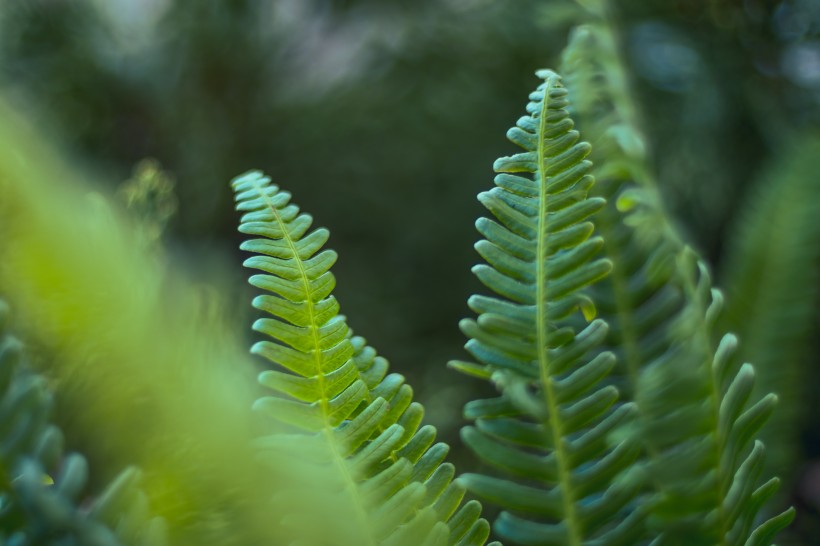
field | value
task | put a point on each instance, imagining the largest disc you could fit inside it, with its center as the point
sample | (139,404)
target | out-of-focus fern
(335,392)
(637,299)
(549,426)
(149,194)
(42,490)
(771,276)
(698,422)
(681,370)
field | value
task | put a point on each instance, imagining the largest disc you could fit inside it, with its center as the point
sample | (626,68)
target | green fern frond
(700,423)
(690,391)
(638,299)
(146,377)
(334,391)
(41,488)
(549,427)
(770,275)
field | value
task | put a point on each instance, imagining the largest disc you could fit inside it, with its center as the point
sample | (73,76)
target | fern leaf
(334,391)
(41,488)
(548,429)
(700,422)
(138,349)
(693,396)
(637,299)
(770,275)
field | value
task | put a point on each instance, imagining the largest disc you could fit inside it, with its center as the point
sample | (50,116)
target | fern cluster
(623,414)
(660,452)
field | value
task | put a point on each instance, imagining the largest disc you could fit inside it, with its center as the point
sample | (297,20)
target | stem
(542,335)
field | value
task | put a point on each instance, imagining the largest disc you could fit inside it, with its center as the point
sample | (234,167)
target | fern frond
(700,423)
(41,488)
(770,275)
(690,391)
(333,390)
(549,426)
(637,299)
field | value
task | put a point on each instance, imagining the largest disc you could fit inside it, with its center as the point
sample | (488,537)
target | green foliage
(772,272)
(125,336)
(637,299)
(698,423)
(690,389)
(395,487)
(624,414)
(699,478)
(551,422)
(41,487)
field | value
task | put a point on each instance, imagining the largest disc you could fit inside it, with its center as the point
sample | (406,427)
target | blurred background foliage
(383,118)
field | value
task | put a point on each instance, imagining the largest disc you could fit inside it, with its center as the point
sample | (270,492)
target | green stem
(339,460)
(542,335)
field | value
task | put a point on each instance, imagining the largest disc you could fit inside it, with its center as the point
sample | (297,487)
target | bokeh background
(383,117)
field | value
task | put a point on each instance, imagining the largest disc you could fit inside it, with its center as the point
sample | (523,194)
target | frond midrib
(339,461)
(542,333)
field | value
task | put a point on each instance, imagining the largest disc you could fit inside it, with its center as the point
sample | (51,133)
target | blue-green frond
(701,421)
(44,497)
(698,415)
(637,299)
(770,275)
(547,434)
